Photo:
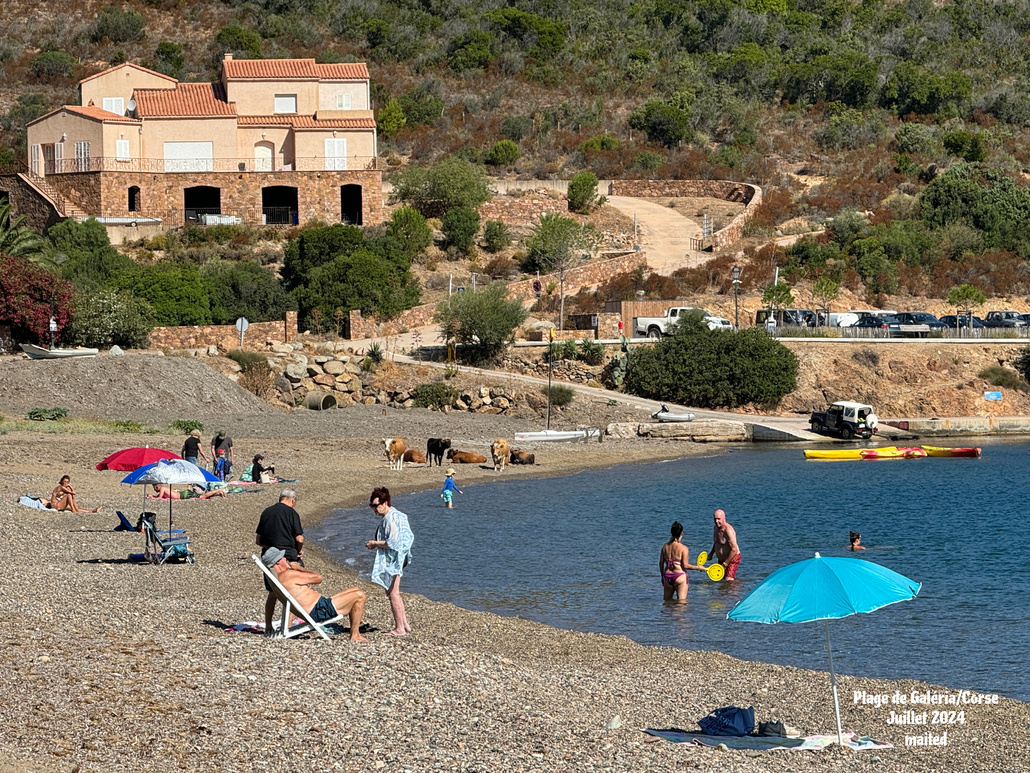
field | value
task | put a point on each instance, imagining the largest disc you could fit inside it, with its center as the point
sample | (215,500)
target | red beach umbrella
(129,459)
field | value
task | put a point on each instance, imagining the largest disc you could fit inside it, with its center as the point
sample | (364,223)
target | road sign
(992,396)
(242,325)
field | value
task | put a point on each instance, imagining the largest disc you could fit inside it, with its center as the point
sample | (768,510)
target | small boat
(850,453)
(559,434)
(970,453)
(894,453)
(42,353)
(664,414)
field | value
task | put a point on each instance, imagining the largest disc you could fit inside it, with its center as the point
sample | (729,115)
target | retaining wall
(259,336)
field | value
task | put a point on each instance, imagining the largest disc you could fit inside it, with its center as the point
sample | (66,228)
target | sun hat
(272,556)
(450,471)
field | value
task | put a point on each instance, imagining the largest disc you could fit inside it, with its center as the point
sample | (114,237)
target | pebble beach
(115,666)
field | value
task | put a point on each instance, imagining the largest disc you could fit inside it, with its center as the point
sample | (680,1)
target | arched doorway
(279,205)
(264,153)
(134,199)
(350,204)
(201,200)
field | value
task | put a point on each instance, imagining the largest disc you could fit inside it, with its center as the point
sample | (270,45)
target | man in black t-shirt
(222,442)
(279,527)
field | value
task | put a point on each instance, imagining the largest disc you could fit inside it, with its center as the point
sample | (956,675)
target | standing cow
(435,449)
(500,450)
(395,449)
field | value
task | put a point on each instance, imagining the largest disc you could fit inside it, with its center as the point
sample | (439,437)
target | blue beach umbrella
(169,472)
(824,589)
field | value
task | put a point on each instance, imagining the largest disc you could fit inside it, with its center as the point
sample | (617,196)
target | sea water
(581,552)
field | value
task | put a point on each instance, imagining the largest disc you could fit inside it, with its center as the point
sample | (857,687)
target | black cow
(435,449)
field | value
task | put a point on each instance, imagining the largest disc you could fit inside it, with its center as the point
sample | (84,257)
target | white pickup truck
(656,327)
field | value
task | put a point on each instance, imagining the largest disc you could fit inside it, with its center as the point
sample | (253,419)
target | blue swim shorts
(323,610)
(448,495)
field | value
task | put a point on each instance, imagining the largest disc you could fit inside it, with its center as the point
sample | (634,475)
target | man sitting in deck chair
(298,583)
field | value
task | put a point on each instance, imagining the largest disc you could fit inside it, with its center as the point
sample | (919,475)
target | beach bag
(265,478)
(730,721)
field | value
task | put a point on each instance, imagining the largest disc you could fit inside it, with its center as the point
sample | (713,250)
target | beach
(114,666)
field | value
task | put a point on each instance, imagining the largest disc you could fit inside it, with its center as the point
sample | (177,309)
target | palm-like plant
(16,238)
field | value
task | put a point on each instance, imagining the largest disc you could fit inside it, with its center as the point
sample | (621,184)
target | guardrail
(195,165)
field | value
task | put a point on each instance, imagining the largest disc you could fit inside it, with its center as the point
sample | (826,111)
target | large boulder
(334,367)
(295,373)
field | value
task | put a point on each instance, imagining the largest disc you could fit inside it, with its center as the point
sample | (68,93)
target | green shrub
(1004,378)
(496,236)
(375,353)
(450,183)
(582,192)
(564,350)
(53,64)
(471,51)
(118,26)
(421,107)
(484,322)
(243,289)
(516,127)
(600,142)
(186,426)
(560,395)
(435,394)
(713,369)
(591,352)
(106,318)
(247,360)
(390,119)
(134,427)
(47,414)
(503,153)
(460,226)
(409,227)
(239,41)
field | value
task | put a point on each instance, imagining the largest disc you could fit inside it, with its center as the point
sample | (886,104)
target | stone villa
(274,141)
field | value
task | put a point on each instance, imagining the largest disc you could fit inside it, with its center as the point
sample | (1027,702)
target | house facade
(274,141)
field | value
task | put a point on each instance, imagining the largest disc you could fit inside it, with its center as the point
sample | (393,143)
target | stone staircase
(64,207)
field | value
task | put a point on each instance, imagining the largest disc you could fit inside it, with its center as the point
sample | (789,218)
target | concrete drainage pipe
(319,401)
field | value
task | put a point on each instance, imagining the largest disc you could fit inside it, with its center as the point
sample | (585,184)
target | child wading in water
(449,488)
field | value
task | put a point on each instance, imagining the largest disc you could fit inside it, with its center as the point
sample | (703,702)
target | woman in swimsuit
(673,563)
(63,498)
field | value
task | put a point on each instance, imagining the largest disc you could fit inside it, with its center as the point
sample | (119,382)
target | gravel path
(111,666)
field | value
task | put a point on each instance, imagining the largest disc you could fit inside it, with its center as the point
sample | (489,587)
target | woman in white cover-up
(392,545)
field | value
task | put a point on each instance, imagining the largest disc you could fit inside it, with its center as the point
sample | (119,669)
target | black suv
(845,420)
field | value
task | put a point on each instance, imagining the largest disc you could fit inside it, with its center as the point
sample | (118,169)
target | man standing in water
(724,545)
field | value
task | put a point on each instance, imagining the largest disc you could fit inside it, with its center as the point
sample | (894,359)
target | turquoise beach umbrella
(824,589)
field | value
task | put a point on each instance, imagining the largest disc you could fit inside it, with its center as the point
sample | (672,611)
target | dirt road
(664,231)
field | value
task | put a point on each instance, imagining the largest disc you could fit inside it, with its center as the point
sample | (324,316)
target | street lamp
(736,286)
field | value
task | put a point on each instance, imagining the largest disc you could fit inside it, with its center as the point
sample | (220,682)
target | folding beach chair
(124,524)
(281,627)
(161,549)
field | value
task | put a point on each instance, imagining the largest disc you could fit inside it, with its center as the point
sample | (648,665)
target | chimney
(228,56)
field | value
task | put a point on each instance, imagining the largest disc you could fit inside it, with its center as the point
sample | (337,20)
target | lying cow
(500,450)
(411,456)
(521,457)
(395,449)
(435,449)
(465,457)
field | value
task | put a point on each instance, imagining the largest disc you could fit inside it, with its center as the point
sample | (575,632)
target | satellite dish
(132,105)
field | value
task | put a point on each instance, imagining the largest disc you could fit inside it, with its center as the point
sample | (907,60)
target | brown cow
(395,449)
(500,450)
(465,457)
(521,457)
(411,456)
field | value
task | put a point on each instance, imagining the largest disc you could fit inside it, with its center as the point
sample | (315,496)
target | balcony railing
(195,165)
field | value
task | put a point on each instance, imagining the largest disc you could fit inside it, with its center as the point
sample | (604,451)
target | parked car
(656,327)
(999,319)
(851,317)
(885,324)
(797,317)
(845,420)
(955,321)
(918,323)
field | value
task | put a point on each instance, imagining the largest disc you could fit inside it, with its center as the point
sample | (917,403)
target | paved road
(664,231)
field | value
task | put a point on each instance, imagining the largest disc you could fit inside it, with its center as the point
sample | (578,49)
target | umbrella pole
(170,528)
(833,682)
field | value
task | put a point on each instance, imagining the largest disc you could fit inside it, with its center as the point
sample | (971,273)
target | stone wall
(259,336)
(420,316)
(519,210)
(81,189)
(25,200)
(750,195)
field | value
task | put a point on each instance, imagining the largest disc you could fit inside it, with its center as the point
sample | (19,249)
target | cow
(436,447)
(411,456)
(499,450)
(521,457)
(395,449)
(465,457)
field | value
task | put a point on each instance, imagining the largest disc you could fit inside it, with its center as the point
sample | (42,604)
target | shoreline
(467,691)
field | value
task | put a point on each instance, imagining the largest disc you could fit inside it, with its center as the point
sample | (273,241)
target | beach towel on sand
(767,743)
(34,502)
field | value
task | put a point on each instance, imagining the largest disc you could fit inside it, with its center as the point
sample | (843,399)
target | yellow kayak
(973,453)
(849,453)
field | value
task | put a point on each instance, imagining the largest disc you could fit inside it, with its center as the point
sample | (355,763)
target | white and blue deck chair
(281,628)
(161,549)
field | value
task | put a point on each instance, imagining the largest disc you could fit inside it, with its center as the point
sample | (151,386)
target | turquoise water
(581,552)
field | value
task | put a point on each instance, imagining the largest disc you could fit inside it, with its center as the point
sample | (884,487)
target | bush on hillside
(50,65)
(483,322)
(460,226)
(411,230)
(503,153)
(186,426)
(436,394)
(242,289)
(582,192)
(174,291)
(247,360)
(560,395)
(105,318)
(30,296)
(713,368)
(118,26)
(90,259)
(1004,378)
(496,236)
(436,189)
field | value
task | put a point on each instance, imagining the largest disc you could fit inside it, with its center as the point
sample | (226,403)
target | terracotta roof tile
(305,122)
(269,68)
(127,64)
(98,114)
(188,100)
(346,71)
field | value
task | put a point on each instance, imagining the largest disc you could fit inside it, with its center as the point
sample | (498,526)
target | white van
(850,318)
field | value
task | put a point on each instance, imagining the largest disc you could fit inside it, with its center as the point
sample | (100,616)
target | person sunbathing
(298,583)
(63,498)
(164,491)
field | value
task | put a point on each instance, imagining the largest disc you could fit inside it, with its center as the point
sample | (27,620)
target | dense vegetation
(713,368)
